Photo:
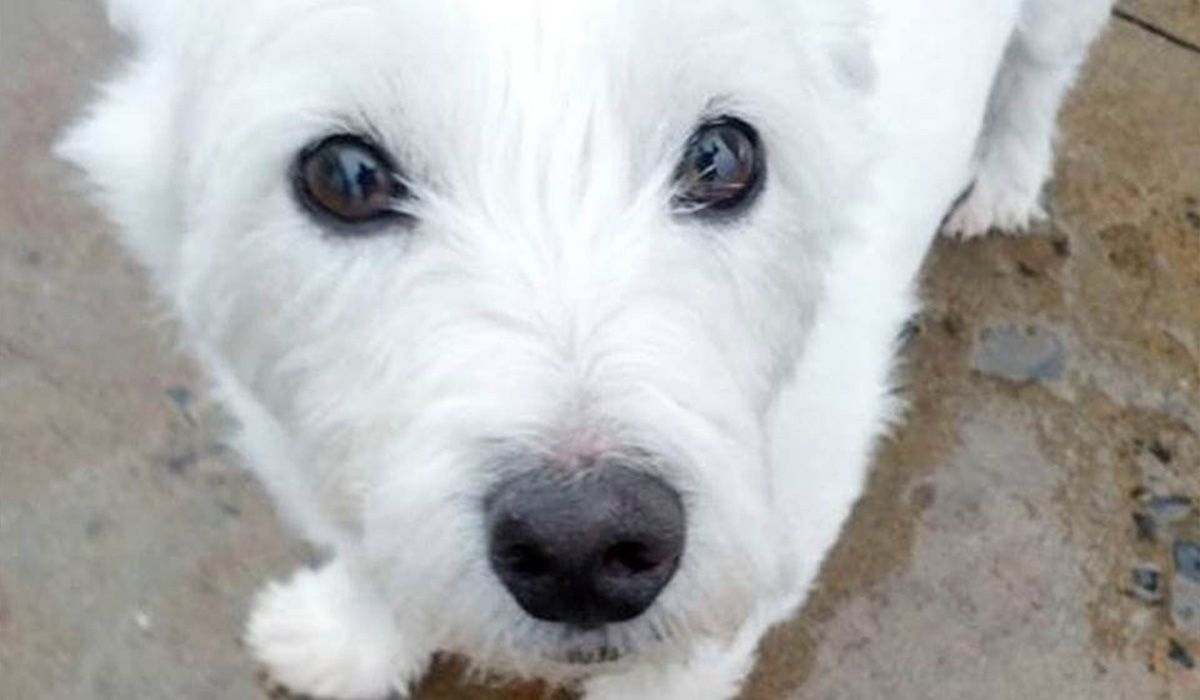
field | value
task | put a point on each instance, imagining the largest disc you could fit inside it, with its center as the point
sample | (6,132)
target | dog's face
(517,282)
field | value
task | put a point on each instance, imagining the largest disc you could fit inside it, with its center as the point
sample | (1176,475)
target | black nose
(586,549)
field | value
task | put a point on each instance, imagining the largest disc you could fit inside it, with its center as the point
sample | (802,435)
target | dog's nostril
(629,559)
(525,560)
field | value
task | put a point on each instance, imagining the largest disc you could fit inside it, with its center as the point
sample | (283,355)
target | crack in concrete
(1145,25)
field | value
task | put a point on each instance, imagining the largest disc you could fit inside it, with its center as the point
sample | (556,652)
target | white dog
(565,327)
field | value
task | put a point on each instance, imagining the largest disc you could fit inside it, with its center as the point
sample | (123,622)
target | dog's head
(511,289)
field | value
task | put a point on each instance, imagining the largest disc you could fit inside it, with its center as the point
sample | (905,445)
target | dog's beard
(473,616)
(596,647)
(532,647)
(479,621)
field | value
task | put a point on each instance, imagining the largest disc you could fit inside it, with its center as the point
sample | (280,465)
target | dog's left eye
(349,181)
(721,170)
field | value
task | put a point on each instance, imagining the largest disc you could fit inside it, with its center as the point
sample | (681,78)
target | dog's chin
(583,652)
(584,657)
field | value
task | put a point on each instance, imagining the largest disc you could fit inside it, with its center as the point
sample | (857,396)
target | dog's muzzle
(585,549)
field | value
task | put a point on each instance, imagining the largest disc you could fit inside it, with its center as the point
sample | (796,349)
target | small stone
(952,325)
(923,496)
(1020,353)
(1166,511)
(1187,560)
(142,619)
(1185,588)
(1185,605)
(181,396)
(182,462)
(1147,584)
(95,526)
(1161,452)
(1193,219)
(1144,525)
(1180,655)
(908,334)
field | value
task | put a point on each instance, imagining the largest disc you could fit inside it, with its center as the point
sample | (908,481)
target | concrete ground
(1029,534)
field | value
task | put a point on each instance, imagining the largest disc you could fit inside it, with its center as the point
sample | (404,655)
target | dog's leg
(1014,155)
(326,634)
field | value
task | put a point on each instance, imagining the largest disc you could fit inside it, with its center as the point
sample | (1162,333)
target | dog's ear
(123,144)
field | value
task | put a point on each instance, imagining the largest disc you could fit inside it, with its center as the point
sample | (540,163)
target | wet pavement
(1031,532)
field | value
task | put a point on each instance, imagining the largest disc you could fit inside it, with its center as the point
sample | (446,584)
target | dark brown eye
(348,180)
(721,171)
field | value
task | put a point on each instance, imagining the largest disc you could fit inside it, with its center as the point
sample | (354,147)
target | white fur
(1014,157)
(324,632)
(548,304)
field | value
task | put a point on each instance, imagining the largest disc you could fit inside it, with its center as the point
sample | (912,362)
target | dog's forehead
(456,54)
(569,30)
(450,84)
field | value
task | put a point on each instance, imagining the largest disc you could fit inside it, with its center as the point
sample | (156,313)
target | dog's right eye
(721,171)
(349,181)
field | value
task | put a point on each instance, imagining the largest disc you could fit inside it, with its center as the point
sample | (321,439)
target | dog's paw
(1002,204)
(322,635)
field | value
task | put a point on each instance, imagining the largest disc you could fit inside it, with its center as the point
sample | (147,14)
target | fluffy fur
(547,304)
